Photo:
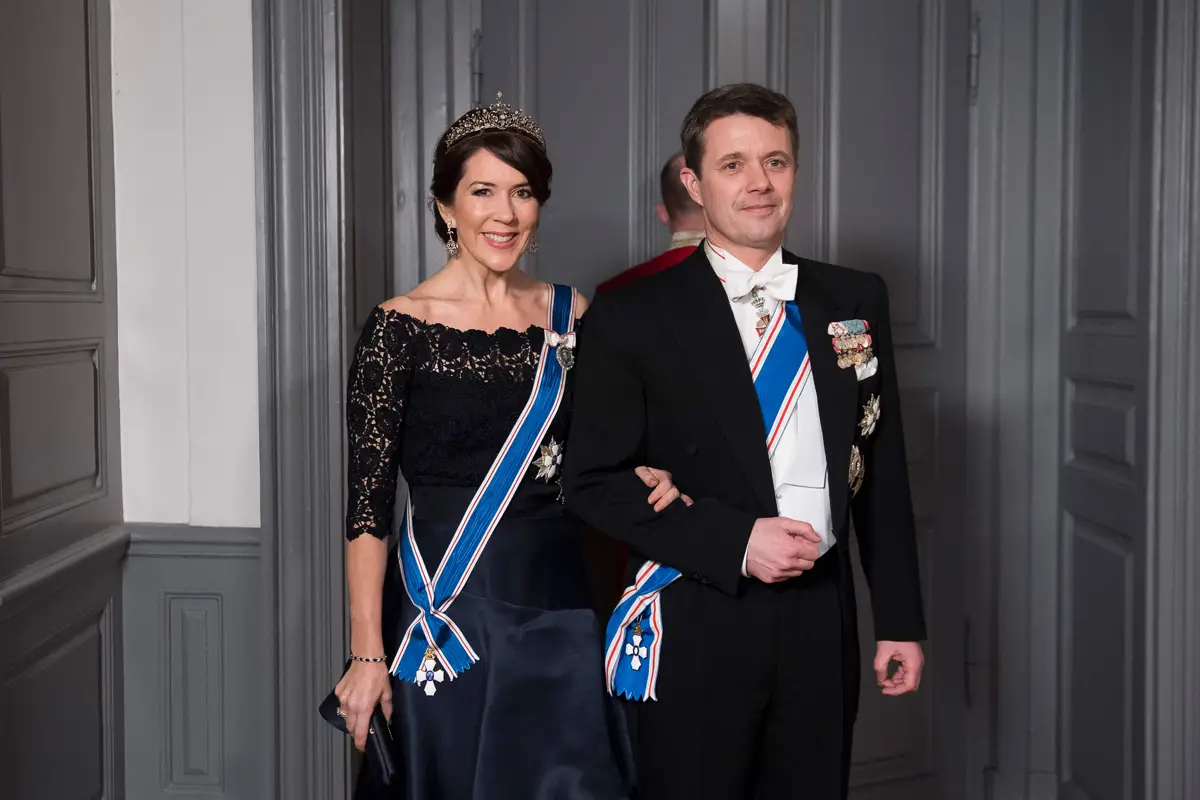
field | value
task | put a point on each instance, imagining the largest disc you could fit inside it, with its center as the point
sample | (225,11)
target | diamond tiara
(498,116)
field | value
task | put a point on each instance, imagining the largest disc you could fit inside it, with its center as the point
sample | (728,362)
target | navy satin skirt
(530,720)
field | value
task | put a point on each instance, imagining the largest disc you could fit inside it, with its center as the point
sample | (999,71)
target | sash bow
(780,369)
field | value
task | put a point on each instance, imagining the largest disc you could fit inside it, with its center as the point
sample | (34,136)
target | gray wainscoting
(198,676)
(1042,269)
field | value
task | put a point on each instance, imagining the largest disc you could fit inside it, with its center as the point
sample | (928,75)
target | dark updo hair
(519,151)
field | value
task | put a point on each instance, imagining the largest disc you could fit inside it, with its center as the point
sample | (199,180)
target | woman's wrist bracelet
(368,660)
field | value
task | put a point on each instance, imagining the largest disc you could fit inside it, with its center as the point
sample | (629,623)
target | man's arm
(705,541)
(883,513)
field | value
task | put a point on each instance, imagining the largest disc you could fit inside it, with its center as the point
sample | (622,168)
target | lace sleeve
(375,397)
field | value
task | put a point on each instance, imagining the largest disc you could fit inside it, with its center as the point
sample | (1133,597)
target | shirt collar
(686,239)
(738,279)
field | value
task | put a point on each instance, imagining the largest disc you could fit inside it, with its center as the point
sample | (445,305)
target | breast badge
(857,470)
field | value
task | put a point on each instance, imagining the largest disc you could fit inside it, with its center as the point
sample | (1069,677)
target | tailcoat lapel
(708,336)
(837,389)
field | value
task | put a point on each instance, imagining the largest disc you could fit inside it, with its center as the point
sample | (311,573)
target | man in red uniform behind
(679,213)
(606,557)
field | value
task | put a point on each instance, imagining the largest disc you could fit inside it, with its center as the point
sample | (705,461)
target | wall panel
(196,688)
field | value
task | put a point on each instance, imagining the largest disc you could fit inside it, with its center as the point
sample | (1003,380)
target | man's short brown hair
(749,99)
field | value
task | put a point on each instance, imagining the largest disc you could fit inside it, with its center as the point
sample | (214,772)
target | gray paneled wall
(1013,343)
(882,187)
(61,546)
(197,674)
(423,100)
(609,83)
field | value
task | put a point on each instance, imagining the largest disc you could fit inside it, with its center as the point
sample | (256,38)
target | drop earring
(451,242)
(532,245)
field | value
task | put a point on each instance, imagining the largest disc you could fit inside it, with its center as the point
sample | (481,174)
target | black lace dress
(530,720)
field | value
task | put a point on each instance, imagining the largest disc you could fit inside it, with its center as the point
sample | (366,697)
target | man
(766,384)
(685,219)
(679,212)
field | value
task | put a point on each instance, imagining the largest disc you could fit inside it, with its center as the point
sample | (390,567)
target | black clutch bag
(380,756)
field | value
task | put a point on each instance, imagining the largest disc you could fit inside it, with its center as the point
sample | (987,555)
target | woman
(477,636)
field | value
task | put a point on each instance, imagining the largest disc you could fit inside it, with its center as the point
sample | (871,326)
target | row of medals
(853,349)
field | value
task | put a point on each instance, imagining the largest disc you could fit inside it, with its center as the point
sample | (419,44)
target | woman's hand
(663,490)
(358,692)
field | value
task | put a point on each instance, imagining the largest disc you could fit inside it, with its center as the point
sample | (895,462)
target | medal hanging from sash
(780,369)
(760,308)
(434,649)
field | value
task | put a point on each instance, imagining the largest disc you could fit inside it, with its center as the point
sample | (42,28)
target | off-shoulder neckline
(422,324)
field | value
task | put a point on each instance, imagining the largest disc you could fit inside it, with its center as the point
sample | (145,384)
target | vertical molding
(728,39)
(434,51)
(827,243)
(99,98)
(825,52)
(1172,746)
(643,128)
(933,122)
(192,677)
(999,291)
(777,45)
(1064,524)
(755,42)
(265,166)
(112,699)
(461,25)
(527,71)
(408,232)
(298,87)
(1053,170)
(738,39)
(430,56)
(527,52)
(1012,362)
(807,58)
(712,25)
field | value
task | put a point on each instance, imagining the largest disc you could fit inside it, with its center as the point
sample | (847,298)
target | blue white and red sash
(780,369)
(434,649)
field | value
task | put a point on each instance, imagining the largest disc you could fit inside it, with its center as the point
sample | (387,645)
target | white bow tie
(775,281)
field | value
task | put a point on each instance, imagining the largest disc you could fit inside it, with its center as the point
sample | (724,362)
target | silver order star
(428,676)
(637,651)
(549,460)
(870,416)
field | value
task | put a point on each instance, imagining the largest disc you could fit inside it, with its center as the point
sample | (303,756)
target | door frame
(1172,746)
(298,77)
(1015,262)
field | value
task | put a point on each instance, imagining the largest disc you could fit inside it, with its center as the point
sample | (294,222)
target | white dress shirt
(798,466)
